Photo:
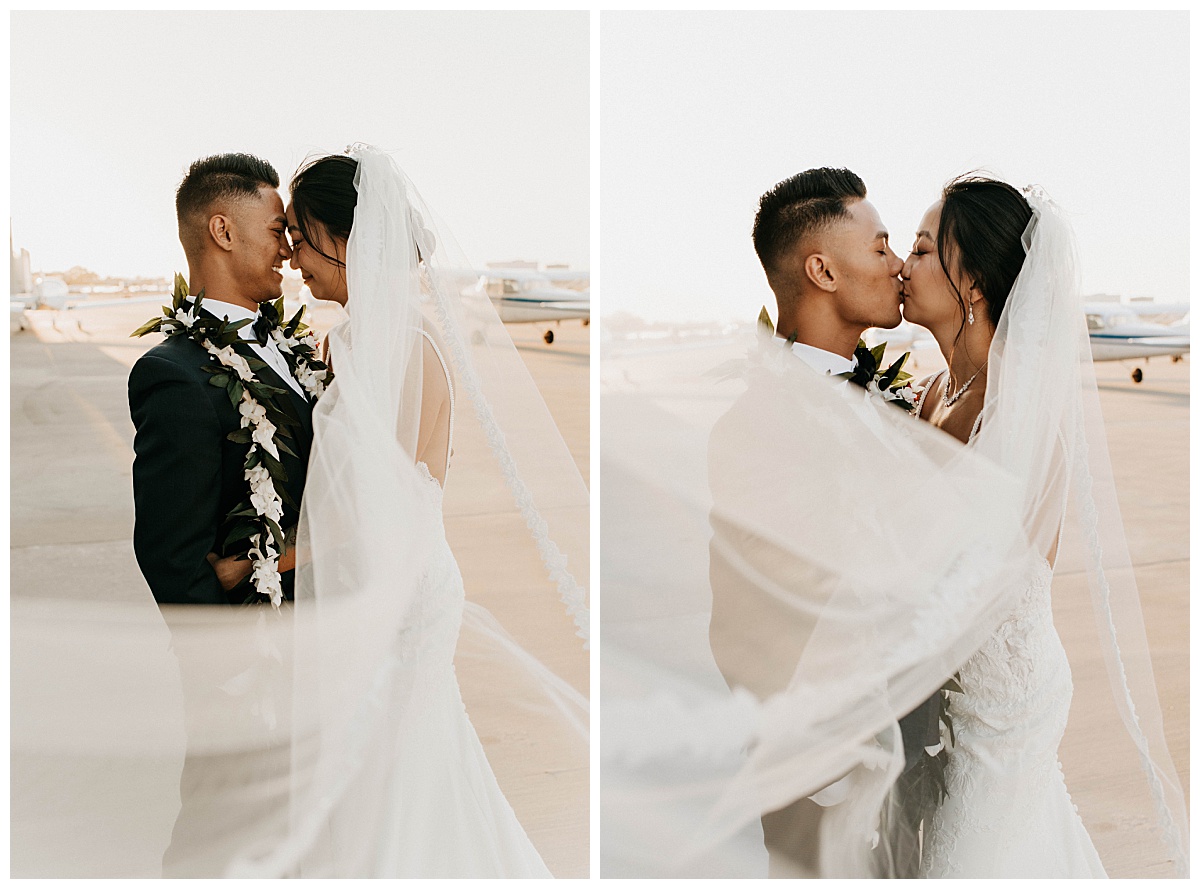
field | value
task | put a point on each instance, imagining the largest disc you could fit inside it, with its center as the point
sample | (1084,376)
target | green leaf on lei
(151,325)
(765,326)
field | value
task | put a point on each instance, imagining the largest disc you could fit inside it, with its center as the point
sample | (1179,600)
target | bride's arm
(232,570)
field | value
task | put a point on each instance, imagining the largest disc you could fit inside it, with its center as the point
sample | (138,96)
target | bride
(885,557)
(330,739)
(1007,812)
(357,236)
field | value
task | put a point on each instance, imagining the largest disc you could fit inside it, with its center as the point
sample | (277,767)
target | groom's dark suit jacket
(187,475)
(757,640)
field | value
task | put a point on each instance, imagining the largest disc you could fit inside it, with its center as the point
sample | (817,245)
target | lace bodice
(1019,680)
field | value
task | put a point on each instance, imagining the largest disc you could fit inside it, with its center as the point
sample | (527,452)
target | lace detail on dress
(1008,811)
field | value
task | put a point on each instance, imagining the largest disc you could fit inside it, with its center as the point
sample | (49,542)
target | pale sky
(486,112)
(697,114)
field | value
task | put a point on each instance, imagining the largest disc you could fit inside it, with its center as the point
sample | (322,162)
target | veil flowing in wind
(305,721)
(790,566)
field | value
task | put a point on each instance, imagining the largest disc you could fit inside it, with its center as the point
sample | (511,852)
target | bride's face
(928,298)
(325,278)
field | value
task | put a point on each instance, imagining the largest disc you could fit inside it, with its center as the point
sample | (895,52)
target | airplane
(523,296)
(1117,333)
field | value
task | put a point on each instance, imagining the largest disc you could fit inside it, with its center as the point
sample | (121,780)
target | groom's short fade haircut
(800,205)
(216,179)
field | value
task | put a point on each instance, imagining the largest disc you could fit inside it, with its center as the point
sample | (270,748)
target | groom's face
(261,245)
(868,290)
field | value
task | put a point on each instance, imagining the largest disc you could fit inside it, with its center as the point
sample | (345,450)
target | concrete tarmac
(72,520)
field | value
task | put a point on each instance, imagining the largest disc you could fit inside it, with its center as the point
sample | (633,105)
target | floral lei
(266,421)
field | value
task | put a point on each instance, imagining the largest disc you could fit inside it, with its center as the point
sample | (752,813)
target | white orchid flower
(281,341)
(264,435)
(259,476)
(252,412)
(267,581)
(233,360)
(267,504)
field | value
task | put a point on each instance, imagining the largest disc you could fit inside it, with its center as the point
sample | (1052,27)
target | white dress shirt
(823,362)
(832,364)
(269,353)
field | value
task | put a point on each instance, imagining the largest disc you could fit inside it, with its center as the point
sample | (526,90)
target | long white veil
(791,566)
(287,721)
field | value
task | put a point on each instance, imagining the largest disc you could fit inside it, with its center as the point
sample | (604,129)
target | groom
(187,475)
(827,259)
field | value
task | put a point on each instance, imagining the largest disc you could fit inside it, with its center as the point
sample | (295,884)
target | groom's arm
(176,482)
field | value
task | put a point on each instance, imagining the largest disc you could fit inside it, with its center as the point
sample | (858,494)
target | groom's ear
(819,269)
(221,231)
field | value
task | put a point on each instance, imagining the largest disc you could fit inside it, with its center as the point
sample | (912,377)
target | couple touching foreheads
(237,234)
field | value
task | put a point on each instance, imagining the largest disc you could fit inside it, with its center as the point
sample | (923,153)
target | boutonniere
(266,420)
(893,384)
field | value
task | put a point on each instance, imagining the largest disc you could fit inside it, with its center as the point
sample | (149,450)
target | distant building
(20,278)
(516,264)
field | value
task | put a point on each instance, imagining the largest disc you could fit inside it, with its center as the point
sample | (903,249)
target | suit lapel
(302,404)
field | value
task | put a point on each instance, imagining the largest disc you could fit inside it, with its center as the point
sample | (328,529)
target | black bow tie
(267,320)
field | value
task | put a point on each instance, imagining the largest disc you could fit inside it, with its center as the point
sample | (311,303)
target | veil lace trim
(571,594)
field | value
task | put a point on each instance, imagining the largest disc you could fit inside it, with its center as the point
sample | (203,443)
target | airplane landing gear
(548,336)
(1136,375)
(1175,359)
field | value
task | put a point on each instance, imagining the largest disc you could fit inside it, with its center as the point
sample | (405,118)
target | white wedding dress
(449,817)
(1007,812)
(442,812)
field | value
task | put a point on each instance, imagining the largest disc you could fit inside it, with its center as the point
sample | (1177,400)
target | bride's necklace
(948,399)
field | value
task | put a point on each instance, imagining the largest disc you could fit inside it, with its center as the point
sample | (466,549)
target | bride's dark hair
(323,191)
(982,222)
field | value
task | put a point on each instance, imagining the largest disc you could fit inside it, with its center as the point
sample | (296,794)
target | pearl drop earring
(971,313)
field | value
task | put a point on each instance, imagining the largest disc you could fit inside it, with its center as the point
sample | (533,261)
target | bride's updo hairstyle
(983,221)
(323,191)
